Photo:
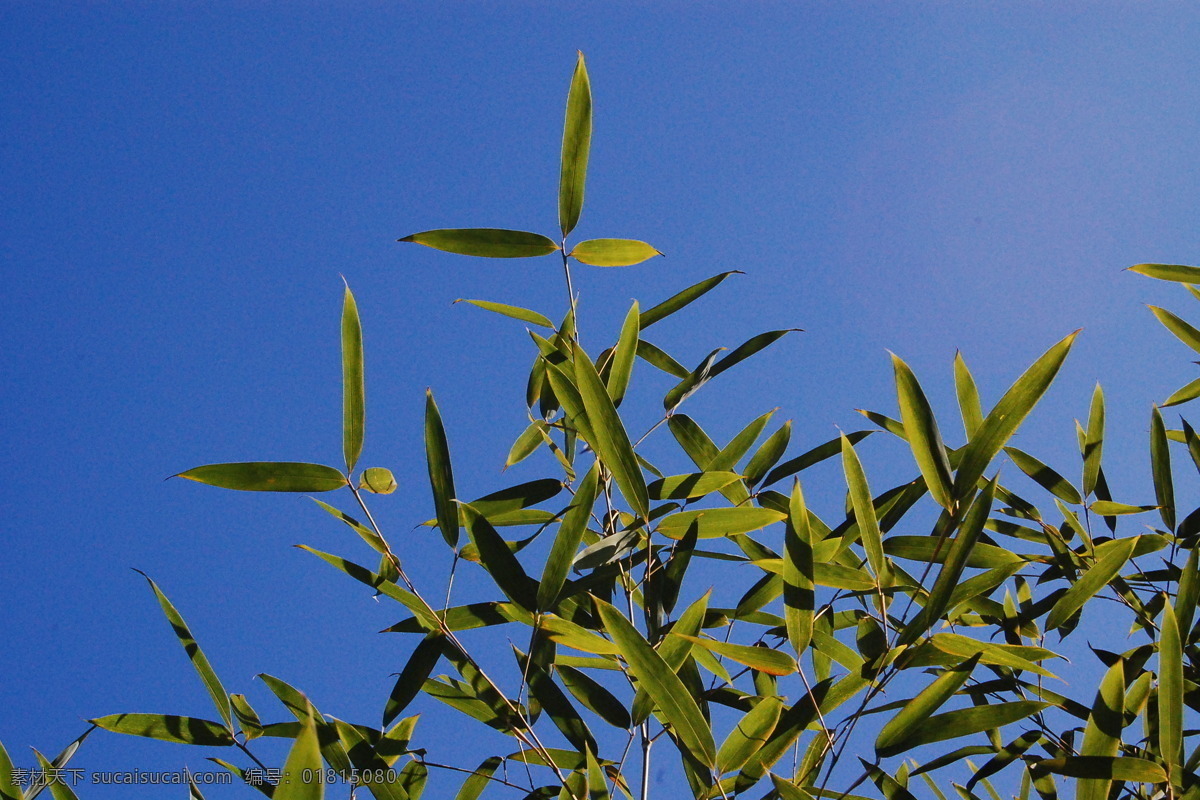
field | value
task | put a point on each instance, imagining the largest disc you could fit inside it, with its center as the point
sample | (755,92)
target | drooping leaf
(668,692)
(613,252)
(556,704)
(268,476)
(609,438)
(199,661)
(499,561)
(1096,578)
(924,438)
(485,242)
(659,359)
(441,476)
(674,303)
(1008,414)
(419,667)
(577,142)
(353,387)
(515,312)
(168,728)
(897,732)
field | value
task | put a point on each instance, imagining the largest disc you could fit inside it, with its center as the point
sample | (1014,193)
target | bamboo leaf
(515,312)
(498,560)
(763,659)
(1182,329)
(378,480)
(690,486)
(968,396)
(1107,508)
(353,386)
(303,762)
(1102,736)
(658,359)
(441,476)
(1045,476)
(597,783)
(610,440)
(473,786)
(896,733)
(925,548)
(1160,463)
(1187,392)
(612,252)
(922,432)
(623,357)
(814,456)
(1170,693)
(555,702)
(251,725)
(199,661)
(577,142)
(168,728)
(1093,580)
(799,598)
(1104,768)
(769,453)
(1093,442)
(485,242)
(1003,420)
(594,697)
(713,522)
(419,667)
(749,735)
(566,542)
(674,303)
(668,692)
(268,476)
(864,511)
(8,785)
(1168,272)
(968,721)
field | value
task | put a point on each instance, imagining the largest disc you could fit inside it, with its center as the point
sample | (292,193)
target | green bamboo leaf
(769,453)
(891,788)
(515,312)
(763,659)
(353,387)
(1183,394)
(1096,578)
(565,632)
(1168,272)
(1093,442)
(60,761)
(468,617)
(379,584)
(594,697)
(168,728)
(612,252)
(529,441)
(378,480)
(1104,768)
(609,438)
(1189,591)
(577,142)
(485,242)
(1160,463)
(956,646)
(366,534)
(419,667)
(864,511)
(193,790)
(1170,693)
(51,778)
(441,476)
(670,696)
(566,542)
(1008,414)
(814,456)
(303,762)
(926,548)
(555,702)
(968,396)
(674,303)
(711,367)
(968,721)
(658,359)
(8,785)
(1007,755)
(1045,476)
(473,786)
(498,560)
(199,661)
(1107,508)
(922,432)
(690,486)
(799,598)
(374,772)
(749,735)
(1102,736)
(713,522)
(252,779)
(251,725)
(956,561)
(897,732)
(623,357)
(515,498)
(1182,330)
(268,476)
(597,783)
(788,790)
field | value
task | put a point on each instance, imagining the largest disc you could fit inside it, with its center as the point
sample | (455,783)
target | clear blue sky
(184,183)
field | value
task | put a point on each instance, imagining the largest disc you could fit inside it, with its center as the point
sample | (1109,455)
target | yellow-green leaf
(922,432)
(515,312)
(441,476)
(713,522)
(690,486)
(897,732)
(168,728)
(577,141)
(1170,693)
(749,735)
(268,476)
(864,510)
(303,771)
(1182,329)
(1096,578)
(612,252)
(378,480)
(1168,272)
(353,386)
(485,242)
(763,659)
(799,598)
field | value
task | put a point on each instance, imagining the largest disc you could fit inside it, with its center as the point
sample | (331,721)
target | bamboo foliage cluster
(943,589)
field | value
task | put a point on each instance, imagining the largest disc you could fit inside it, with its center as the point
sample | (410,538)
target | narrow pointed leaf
(659,359)
(441,476)
(814,456)
(924,438)
(268,476)
(609,438)
(768,454)
(168,728)
(1003,420)
(1104,768)
(499,561)
(199,661)
(1093,442)
(623,357)
(473,786)
(977,719)
(799,598)
(251,725)
(674,303)
(968,396)
(8,785)
(1185,393)
(1168,272)
(864,510)
(303,761)
(515,312)
(595,697)
(419,667)
(670,696)
(1182,330)
(353,386)
(690,486)
(1170,694)
(1096,578)
(713,522)
(749,735)
(485,242)
(1102,736)
(913,716)
(597,782)
(612,252)
(1045,476)
(566,542)
(763,659)
(1160,464)
(577,142)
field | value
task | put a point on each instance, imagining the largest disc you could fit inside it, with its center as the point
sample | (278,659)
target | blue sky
(186,182)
